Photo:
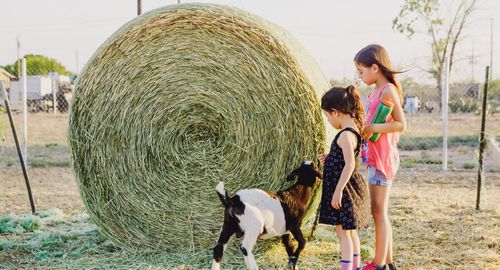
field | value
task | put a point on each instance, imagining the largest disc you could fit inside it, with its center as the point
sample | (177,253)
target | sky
(331,30)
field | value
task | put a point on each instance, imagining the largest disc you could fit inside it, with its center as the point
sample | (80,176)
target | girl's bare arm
(347,141)
(399,123)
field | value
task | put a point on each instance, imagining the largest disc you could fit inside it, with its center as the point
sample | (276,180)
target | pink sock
(345,265)
(355,262)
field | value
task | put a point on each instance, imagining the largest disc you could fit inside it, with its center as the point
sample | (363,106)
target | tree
(411,87)
(38,65)
(494,89)
(445,34)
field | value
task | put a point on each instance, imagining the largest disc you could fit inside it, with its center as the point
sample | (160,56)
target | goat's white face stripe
(308,162)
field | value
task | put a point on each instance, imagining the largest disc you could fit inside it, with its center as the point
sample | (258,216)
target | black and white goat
(257,214)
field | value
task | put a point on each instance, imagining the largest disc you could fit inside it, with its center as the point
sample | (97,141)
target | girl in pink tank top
(382,157)
(383,154)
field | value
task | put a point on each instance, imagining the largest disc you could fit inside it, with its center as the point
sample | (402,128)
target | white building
(60,79)
(37,87)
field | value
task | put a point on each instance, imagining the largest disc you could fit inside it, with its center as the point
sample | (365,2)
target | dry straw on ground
(179,99)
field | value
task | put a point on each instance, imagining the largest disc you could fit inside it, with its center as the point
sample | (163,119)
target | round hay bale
(175,101)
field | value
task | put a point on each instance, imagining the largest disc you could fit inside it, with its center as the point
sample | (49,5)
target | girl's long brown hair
(345,100)
(376,54)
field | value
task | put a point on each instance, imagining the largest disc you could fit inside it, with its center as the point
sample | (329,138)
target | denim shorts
(377,178)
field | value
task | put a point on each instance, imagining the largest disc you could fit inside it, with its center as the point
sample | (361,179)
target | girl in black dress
(344,201)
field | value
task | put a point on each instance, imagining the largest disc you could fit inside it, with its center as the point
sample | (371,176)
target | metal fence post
(445,98)
(25,110)
(482,141)
(3,93)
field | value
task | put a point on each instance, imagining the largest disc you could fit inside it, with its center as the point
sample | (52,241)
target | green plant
(38,65)
(445,33)
(5,225)
(44,163)
(427,143)
(469,165)
(494,89)
(409,162)
(11,224)
(30,224)
(463,105)
(49,145)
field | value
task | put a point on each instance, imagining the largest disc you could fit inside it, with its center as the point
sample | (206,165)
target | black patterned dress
(355,211)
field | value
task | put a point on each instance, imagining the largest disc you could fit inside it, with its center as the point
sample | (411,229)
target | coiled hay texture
(178,99)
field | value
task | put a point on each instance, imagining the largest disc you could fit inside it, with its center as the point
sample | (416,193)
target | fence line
(432,140)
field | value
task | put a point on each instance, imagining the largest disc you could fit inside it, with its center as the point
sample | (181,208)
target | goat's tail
(222,192)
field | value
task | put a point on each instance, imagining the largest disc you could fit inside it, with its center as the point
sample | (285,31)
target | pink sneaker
(372,266)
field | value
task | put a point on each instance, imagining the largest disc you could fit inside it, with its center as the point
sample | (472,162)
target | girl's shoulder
(352,136)
(379,91)
(389,92)
(388,88)
(351,131)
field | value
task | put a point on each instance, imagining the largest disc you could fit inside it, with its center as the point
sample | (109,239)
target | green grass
(469,165)
(78,244)
(10,224)
(413,162)
(44,163)
(39,239)
(427,143)
(49,145)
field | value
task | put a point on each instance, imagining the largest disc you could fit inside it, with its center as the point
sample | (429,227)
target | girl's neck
(381,82)
(346,122)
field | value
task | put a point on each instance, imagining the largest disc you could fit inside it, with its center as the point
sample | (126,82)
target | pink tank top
(383,154)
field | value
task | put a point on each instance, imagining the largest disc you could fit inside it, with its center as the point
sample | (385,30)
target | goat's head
(306,173)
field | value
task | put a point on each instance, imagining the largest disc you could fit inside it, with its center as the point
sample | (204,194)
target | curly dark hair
(346,100)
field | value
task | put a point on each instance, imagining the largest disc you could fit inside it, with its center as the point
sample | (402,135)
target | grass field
(435,222)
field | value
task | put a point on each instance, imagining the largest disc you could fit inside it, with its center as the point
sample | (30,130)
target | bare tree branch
(444,37)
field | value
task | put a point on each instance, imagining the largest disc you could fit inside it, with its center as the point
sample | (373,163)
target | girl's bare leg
(379,205)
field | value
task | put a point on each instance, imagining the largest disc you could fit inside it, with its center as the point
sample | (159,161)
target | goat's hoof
(292,265)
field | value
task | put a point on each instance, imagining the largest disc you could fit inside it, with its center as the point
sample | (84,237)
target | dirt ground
(433,213)
(458,124)
(51,187)
(435,222)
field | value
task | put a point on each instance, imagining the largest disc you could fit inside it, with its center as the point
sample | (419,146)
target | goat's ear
(318,174)
(229,202)
(291,176)
(222,199)
(226,201)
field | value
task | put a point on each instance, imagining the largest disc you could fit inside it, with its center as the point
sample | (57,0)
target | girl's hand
(322,158)
(337,199)
(368,131)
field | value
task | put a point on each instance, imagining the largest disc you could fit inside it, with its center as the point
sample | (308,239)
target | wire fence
(46,92)
(42,131)
(421,145)
(49,99)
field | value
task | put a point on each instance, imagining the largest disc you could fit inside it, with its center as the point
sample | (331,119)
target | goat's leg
(287,242)
(297,234)
(249,241)
(224,236)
